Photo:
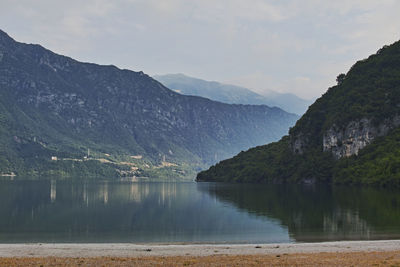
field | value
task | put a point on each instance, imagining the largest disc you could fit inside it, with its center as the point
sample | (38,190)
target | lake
(188,212)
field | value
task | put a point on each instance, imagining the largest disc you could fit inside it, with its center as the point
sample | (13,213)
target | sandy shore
(347,253)
(148,250)
(385,258)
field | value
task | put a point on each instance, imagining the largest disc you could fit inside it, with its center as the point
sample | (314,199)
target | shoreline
(124,250)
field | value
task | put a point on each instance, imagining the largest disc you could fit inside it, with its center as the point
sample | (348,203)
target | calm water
(100,211)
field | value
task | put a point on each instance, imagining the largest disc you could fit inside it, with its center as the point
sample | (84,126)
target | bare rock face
(346,141)
(355,136)
(299,144)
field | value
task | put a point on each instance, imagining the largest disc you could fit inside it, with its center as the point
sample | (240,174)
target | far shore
(88,250)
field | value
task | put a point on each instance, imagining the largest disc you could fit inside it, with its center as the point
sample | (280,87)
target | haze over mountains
(232,94)
(55,111)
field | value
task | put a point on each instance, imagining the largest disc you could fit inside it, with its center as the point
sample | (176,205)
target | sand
(343,253)
(386,258)
(141,250)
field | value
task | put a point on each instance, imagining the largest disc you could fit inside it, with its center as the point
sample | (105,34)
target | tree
(340,78)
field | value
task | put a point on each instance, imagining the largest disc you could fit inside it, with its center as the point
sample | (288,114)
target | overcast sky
(296,46)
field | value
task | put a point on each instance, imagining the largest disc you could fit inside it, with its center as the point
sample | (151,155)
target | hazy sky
(297,46)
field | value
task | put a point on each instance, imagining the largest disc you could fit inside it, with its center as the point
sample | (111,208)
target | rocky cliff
(355,136)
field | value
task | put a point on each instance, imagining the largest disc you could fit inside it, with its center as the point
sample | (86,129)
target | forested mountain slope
(52,106)
(349,135)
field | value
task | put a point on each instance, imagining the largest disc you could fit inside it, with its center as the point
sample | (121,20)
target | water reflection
(105,211)
(53,190)
(320,213)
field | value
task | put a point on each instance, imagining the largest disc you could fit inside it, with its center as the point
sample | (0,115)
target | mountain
(349,135)
(232,94)
(59,116)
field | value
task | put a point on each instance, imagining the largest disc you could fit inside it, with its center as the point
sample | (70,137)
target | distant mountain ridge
(349,135)
(232,94)
(57,113)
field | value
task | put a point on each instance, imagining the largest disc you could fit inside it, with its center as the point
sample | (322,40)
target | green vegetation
(27,147)
(377,164)
(370,90)
(272,163)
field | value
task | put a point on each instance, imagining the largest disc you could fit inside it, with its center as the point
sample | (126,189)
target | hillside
(232,94)
(349,135)
(104,121)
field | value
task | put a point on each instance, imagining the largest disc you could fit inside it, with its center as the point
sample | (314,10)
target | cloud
(262,44)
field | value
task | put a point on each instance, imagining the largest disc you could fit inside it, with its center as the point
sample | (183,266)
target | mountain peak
(5,39)
(4,36)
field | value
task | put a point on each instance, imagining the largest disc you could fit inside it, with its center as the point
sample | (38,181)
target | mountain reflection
(319,213)
(115,211)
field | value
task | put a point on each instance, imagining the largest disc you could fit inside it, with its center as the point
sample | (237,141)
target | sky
(289,46)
